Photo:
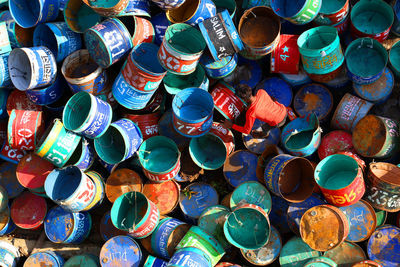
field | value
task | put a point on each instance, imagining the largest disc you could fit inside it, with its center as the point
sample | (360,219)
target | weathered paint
(251,193)
(226,102)
(367,263)
(218,69)
(8,179)
(45,258)
(333,12)
(107,229)
(120,251)
(212,222)
(320,262)
(165,195)
(381,216)
(108,8)
(346,254)
(269,152)
(154,262)
(313,98)
(19,100)
(79,16)
(240,167)
(147,123)
(190,256)
(203,9)
(383,246)
(278,213)
(122,181)
(247,72)
(299,14)
(333,142)
(28,211)
(258,145)
(87,260)
(9,254)
(32,171)
(296,253)
(286,56)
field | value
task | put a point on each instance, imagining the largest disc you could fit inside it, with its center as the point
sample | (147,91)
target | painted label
(227,102)
(307,13)
(163,177)
(159,241)
(193,129)
(149,224)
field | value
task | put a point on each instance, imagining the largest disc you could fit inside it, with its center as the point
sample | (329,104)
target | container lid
(120,251)
(164,195)
(40,259)
(28,210)
(84,260)
(277,88)
(8,179)
(107,228)
(251,193)
(313,98)
(59,224)
(368,139)
(122,181)
(384,245)
(32,171)
(19,100)
(295,253)
(296,79)
(196,197)
(240,167)
(346,253)
(377,91)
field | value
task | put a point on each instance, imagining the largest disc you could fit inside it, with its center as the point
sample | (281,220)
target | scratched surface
(212,221)
(196,197)
(165,195)
(258,145)
(333,142)
(44,259)
(346,254)
(120,251)
(384,245)
(240,167)
(251,193)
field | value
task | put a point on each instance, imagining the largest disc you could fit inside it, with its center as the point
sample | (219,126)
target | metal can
(165,195)
(45,10)
(148,123)
(154,262)
(166,128)
(251,193)
(88,260)
(285,58)
(220,68)
(367,263)
(296,253)
(346,253)
(108,9)
(174,83)
(197,257)
(46,258)
(28,211)
(9,181)
(383,244)
(240,167)
(192,12)
(269,152)
(9,154)
(299,14)
(212,221)
(99,195)
(79,16)
(120,250)
(334,13)
(49,94)
(107,228)
(83,157)
(394,54)
(9,255)
(226,102)
(313,98)
(122,181)
(321,261)
(333,142)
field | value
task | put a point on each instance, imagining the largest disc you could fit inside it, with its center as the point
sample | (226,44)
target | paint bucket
(346,254)
(321,261)
(364,69)
(269,152)
(45,258)
(88,260)
(277,214)
(154,262)
(367,263)
(320,50)
(143,71)
(192,12)
(197,257)
(107,229)
(240,167)
(258,145)
(300,13)
(57,144)
(83,156)
(133,212)
(165,195)
(23,36)
(49,94)
(221,35)
(396,23)
(394,56)
(193,112)
(31,68)
(5,79)
(196,198)
(108,42)
(333,142)
(121,140)
(9,154)
(247,72)
(220,68)
(108,8)
(9,254)
(376,137)
(382,188)
(302,136)
(251,193)
(313,98)
(83,74)
(278,89)
(324,227)
(383,244)
(174,83)
(296,80)
(285,57)
(167,5)
(79,16)
(212,222)
(259,40)
(58,38)
(243,220)
(28,211)
(122,181)
(63,226)
(226,102)
(10,24)
(44,10)
(147,123)
(371,18)
(166,128)
(120,250)
(333,12)
(24,129)
(296,253)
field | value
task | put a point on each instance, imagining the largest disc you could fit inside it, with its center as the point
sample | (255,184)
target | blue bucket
(137,8)
(57,37)
(45,258)
(302,136)
(394,58)
(83,156)
(161,236)
(193,112)
(192,12)
(166,128)
(296,253)
(247,72)
(240,167)
(197,257)
(29,13)
(277,88)
(121,251)
(160,24)
(296,80)
(154,262)
(219,69)
(9,226)
(47,95)
(79,16)
(396,24)
(10,23)
(277,214)
(5,79)
(9,254)
(383,245)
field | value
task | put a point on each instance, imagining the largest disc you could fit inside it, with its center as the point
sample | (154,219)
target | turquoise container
(212,221)
(197,258)
(394,57)
(218,69)
(79,16)
(295,253)
(251,193)
(320,50)
(84,260)
(320,262)
(229,5)
(45,258)
(174,83)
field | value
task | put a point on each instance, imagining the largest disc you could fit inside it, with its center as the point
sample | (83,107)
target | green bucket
(229,5)
(174,83)
(208,151)
(394,58)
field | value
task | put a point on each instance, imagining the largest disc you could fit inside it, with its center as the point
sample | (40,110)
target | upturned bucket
(192,12)
(332,12)
(381,245)
(240,167)
(299,12)
(79,16)
(334,142)
(48,95)
(226,101)
(212,222)
(108,8)
(174,83)
(286,56)
(123,245)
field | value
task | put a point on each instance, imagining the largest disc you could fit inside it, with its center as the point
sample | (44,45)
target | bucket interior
(193,104)
(44,36)
(128,210)
(175,83)
(111,146)
(317,38)
(79,16)
(79,65)
(60,184)
(145,55)
(24,36)
(332,6)
(26,12)
(185,38)
(372,17)
(394,56)
(76,111)
(105,4)
(336,172)
(208,151)
(300,140)
(221,5)
(184,12)
(20,69)
(287,8)
(76,155)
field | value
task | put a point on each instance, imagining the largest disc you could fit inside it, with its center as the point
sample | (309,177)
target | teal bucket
(320,50)
(174,83)
(394,58)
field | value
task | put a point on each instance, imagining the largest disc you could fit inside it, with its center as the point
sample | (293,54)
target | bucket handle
(362,43)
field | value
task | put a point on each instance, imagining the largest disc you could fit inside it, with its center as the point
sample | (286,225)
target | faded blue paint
(321,107)
(277,88)
(244,163)
(295,253)
(120,251)
(251,193)
(257,145)
(384,245)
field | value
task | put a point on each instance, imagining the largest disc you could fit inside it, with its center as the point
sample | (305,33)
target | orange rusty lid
(367,263)
(164,195)
(122,181)
(369,136)
(324,227)
(32,171)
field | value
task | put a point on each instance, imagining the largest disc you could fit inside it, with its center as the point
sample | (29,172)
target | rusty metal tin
(45,258)
(32,171)
(251,193)
(147,123)
(8,179)
(122,181)
(295,253)
(28,211)
(324,227)
(121,251)
(270,151)
(383,246)
(164,195)
(240,167)
(367,263)
(226,102)
(20,101)
(333,142)
(107,229)
(346,254)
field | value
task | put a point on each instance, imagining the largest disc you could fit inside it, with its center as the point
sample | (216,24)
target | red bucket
(286,56)
(147,123)
(32,171)
(226,102)
(28,211)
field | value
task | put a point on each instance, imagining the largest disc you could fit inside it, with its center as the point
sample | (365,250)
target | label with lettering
(193,129)
(147,225)
(227,102)
(159,240)
(189,257)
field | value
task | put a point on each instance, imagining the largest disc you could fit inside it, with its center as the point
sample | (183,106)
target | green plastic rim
(184,39)
(174,83)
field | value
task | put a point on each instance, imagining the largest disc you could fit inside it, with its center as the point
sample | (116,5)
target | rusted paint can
(335,141)
(258,40)
(100,191)
(258,145)
(377,137)
(382,186)
(154,262)
(133,212)
(251,193)
(313,98)
(88,260)
(383,246)
(9,181)
(371,18)
(122,181)
(107,229)
(28,211)
(269,152)
(226,102)
(349,112)
(174,54)
(340,179)
(333,12)
(164,195)
(346,254)
(296,253)
(120,250)
(324,227)
(301,13)
(283,177)
(285,58)
(9,154)
(45,10)
(367,263)
(9,254)
(166,128)
(79,16)
(240,167)
(277,88)
(192,12)
(45,258)
(197,257)
(212,222)
(147,123)
(218,69)
(174,83)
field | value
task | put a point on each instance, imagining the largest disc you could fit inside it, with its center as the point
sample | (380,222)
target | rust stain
(369,136)
(374,88)
(164,195)
(122,181)
(312,101)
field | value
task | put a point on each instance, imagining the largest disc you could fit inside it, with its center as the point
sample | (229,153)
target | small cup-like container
(79,16)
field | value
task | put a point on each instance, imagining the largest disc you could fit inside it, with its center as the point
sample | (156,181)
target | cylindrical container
(166,128)
(87,115)
(340,179)
(10,24)
(277,88)
(87,260)
(133,212)
(79,16)
(100,190)
(193,112)
(108,42)
(363,69)
(332,12)
(9,255)
(251,69)
(56,36)
(119,142)
(122,181)
(63,226)
(154,262)
(258,145)
(192,12)
(120,250)
(259,40)
(195,198)
(5,79)
(349,112)
(70,188)
(382,186)
(396,24)
(107,229)
(240,167)
(296,80)
(383,244)
(174,83)
(371,18)
(147,123)
(174,53)
(342,26)
(190,171)
(57,144)
(9,154)
(285,58)
(251,193)
(290,177)
(296,253)
(320,50)
(31,68)
(220,68)
(394,55)
(45,258)
(160,24)
(47,95)
(333,142)
(269,152)
(346,254)
(367,263)
(160,158)
(167,5)
(212,222)
(25,127)
(377,92)
(381,216)
(324,227)
(165,195)
(305,131)
(28,211)
(320,261)
(376,137)
(226,102)
(142,70)
(362,221)
(108,8)
(29,13)
(301,12)
(196,255)
(313,98)
(243,220)
(84,156)
(8,179)
(83,74)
